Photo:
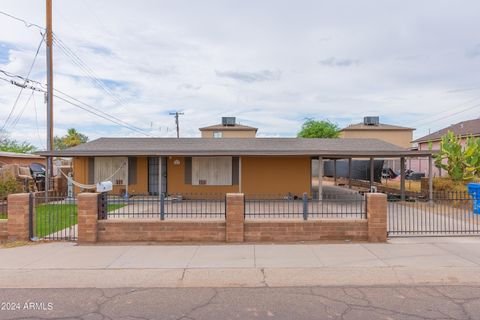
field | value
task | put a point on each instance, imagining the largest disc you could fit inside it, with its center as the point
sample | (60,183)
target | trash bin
(474,192)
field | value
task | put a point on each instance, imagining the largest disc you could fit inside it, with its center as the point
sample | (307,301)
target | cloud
(334,62)
(474,52)
(250,77)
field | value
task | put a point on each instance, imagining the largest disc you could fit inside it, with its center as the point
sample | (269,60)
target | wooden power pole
(176,114)
(49,45)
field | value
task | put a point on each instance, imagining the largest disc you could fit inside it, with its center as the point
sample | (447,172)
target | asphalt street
(348,302)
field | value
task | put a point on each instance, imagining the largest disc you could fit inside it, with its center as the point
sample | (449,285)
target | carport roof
(333,148)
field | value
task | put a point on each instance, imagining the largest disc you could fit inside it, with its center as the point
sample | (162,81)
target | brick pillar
(235,212)
(18,217)
(87,217)
(377,217)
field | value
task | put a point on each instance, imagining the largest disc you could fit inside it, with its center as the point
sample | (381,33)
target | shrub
(9,185)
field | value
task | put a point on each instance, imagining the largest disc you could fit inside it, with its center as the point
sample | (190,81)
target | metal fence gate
(53,216)
(446,214)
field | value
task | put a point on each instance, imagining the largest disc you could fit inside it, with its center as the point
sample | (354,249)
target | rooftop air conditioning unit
(371,121)
(228,121)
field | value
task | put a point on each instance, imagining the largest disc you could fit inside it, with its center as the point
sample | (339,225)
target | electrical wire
(27,24)
(96,111)
(36,123)
(85,68)
(19,116)
(24,84)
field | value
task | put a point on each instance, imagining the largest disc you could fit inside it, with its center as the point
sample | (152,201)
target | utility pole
(176,114)
(49,44)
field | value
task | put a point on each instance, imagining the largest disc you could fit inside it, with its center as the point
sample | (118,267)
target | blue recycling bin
(474,192)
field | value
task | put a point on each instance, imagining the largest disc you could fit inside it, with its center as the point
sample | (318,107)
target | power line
(106,115)
(177,114)
(26,23)
(98,110)
(98,115)
(85,68)
(36,122)
(24,84)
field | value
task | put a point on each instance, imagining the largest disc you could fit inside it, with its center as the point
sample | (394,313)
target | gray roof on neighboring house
(464,128)
(236,127)
(235,146)
(381,126)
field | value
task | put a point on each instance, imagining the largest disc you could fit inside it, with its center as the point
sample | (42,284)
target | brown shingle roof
(381,126)
(236,127)
(232,146)
(464,128)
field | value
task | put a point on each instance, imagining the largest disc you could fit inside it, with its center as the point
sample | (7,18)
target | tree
(461,161)
(71,139)
(11,145)
(319,129)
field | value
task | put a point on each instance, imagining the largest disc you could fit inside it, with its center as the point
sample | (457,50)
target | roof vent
(228,121)
(371,121)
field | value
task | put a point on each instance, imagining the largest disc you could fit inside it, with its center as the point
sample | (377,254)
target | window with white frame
(217,134)
(213,171)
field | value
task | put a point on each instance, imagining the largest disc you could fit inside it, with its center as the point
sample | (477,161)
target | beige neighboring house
(372,128)
(228,129)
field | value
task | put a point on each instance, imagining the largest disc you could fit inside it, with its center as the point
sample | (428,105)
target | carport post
(402,178)
(371,173)
(430,179)
(350,173)
(320,178)
(334,172)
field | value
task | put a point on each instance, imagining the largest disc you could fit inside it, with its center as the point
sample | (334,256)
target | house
(21,159)
(280,166)
(372,128)
(228,129)
(431,141)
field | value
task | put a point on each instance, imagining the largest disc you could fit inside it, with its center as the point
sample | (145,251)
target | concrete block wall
(234,228)
(3,230)
(162,231)
(18,217)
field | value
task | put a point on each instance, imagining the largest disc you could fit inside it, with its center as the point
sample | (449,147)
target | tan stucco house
(242,163)
(371,128)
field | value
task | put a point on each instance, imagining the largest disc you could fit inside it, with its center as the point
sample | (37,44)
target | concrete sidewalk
(402,261)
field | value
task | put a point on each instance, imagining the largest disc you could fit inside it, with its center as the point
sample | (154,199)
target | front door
(157,175)
(153,175)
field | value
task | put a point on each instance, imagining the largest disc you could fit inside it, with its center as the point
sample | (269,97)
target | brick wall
(18,217)
(3,230)
(87,217)
(235,217)
(157,230)
(377,217)
(291,231)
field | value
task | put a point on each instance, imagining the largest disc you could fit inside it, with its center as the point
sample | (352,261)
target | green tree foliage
(461,161)
(11,145)
(9,185)
(319,129)
(71,139)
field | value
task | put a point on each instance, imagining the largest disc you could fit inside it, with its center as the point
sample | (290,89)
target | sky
(270,63)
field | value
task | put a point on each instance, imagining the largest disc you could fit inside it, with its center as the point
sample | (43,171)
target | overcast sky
(269,63)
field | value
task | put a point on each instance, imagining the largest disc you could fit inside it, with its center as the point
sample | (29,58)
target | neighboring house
(195,165)
(22,159)
(463,129)
(371,128)
(228,129)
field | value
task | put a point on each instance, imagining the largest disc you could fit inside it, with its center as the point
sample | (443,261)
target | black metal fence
(53,216)
(178,206)
(446,214)
(350,205)
(3,209)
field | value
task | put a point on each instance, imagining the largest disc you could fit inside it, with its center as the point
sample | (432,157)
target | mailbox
(104,186)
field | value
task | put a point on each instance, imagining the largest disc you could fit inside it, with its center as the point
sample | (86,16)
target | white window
(212,171)
(217,134)
(105,167)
